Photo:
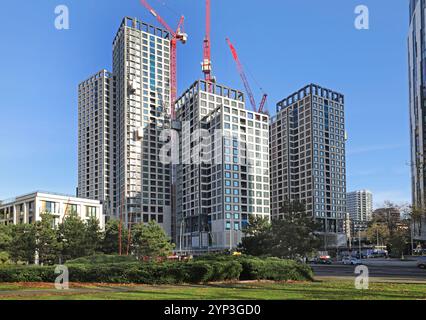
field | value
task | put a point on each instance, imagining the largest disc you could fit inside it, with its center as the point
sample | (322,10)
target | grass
(320,290)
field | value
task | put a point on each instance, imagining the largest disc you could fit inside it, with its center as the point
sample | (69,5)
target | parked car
(421,263)
(351,260)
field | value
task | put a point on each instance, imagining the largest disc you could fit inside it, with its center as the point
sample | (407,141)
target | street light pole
(359,240)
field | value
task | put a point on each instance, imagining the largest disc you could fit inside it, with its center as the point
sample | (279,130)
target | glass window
(91,212)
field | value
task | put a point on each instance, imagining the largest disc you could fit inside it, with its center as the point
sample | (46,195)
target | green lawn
(334,290)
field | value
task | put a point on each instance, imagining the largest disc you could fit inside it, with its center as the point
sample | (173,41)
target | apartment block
(27,209)
(360,208)
(96,132)
(308,161)
(417,98)
(141,66)
(223,172)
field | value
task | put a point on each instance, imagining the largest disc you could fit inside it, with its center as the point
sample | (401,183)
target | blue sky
(284,44)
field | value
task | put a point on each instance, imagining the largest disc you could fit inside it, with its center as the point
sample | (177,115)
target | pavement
(380,270)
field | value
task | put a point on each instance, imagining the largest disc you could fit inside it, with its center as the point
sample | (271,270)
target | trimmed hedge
(274,269)
(197,271)
(103,259)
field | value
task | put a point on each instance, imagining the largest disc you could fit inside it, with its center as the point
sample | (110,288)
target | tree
(93,237)
(378,232)
(294,236)
(398,243)
(110,241)
(48,247)
(386,216)
(72,235)
(22,246)
(257,236)
(150,240)
(5,237)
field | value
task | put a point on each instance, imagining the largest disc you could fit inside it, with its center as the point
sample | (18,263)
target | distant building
(358,226)
(387,215)
(27,209)
(308,158)
(347,226)
(360,205)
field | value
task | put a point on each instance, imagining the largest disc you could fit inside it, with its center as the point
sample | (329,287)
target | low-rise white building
(29,208)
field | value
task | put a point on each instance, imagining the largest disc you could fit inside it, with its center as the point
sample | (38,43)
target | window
(70,209)
(49,207)
(91,212)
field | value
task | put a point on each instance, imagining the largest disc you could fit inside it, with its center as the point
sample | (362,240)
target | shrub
(4,258)
(274,269)
(27,274)
(100,259)
(198,272)
(126,270)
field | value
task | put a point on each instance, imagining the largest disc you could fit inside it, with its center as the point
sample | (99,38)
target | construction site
(203,206)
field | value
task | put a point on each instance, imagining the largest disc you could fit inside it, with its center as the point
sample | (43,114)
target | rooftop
(12,200)
(311,89)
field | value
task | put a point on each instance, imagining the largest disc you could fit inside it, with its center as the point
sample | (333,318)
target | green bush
(118,270)
(99,259)
(274,269)
(198,272)
(4,257)
(14,273)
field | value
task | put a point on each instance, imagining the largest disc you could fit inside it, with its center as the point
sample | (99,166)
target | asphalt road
(391,272)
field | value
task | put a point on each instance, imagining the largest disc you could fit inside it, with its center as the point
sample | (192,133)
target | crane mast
(207,63)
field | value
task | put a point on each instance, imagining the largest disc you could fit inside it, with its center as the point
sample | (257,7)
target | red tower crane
(207,63)
(178,35)
(245,80)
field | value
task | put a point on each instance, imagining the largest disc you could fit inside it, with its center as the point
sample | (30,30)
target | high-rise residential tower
(417,85)
(223,175)
(95,138)
(141,66)
(360,205)
(121,117)
(360,209)
(308,161)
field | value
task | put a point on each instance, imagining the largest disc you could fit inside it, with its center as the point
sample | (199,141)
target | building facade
(308,161)
(96,132)
(360,208)
(141,66)
(27,209)
(223,171)
(121,117)
(417,102)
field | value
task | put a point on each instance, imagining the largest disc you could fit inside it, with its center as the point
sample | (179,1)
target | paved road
(383,272)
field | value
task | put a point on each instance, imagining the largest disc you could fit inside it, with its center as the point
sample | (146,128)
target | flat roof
(47,193)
